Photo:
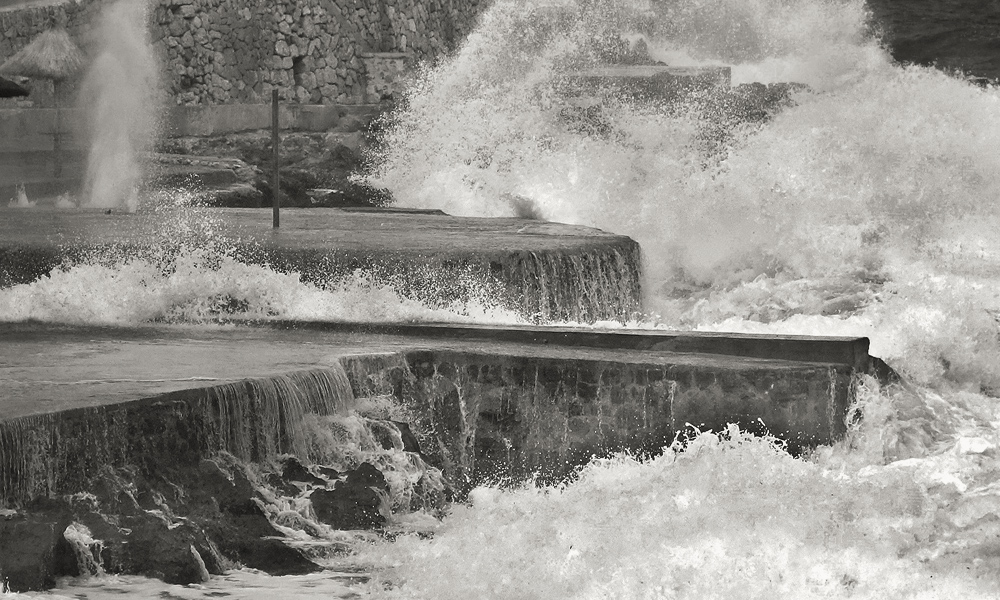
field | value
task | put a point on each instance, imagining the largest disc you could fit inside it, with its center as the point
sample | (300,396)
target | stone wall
(237,51)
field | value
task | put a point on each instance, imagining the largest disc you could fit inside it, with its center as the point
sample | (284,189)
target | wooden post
(275,175)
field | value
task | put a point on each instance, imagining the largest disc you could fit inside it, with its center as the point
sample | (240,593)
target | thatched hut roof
(51,55)
(9,89)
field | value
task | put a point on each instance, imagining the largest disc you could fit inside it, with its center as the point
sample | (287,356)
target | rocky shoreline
(187,521)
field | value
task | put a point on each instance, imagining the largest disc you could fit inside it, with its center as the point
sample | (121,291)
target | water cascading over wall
(572,278)
(501,416)
(602,283)
(254,420)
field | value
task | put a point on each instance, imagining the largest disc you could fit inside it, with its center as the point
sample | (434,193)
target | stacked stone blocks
(237,51)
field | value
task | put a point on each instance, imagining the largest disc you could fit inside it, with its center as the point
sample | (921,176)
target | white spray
(119,96)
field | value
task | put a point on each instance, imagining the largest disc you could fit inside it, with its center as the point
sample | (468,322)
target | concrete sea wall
(506,417)
(542,271)
(479,416)
(179,485)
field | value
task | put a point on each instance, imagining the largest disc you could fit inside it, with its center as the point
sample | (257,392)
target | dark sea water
(959,35)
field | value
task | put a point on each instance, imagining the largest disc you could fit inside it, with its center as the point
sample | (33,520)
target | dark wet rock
(347,148)
(282,485)
(250,539)
(410,443)
(329,472)
(293,470)
(179,525)
(176,552)
(384,433)
(230,488)
(33,551)
(357,502)
(390,433)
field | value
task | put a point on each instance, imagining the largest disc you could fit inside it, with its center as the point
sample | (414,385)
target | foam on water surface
(203,286)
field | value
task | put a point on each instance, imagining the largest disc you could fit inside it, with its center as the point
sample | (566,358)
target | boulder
(357,502)
(175,551)
(33,551)
(293,470)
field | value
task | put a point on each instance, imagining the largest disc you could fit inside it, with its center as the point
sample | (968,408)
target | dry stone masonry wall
(237,51)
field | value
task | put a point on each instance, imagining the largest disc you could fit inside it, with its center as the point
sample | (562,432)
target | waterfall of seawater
(119,95)
(254,420)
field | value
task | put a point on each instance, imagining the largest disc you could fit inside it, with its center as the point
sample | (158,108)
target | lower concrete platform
(487,407)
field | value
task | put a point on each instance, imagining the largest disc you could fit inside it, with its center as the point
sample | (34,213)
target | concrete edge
(849,351)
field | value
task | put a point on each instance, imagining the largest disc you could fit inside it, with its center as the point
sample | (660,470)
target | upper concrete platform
(301,229)
(545,271)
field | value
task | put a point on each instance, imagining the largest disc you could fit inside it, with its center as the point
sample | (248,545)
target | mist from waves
(207,285)
(119,96)
(871,200)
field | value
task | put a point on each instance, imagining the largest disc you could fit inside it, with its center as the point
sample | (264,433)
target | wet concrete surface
(46,368)
(301,229)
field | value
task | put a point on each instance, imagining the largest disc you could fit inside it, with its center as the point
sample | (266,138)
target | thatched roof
(9,89)
(51,55)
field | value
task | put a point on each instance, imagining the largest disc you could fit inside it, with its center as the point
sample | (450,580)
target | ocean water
(868,207)
(952,34)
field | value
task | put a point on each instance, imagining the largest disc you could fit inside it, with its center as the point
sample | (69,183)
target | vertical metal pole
(275,176)
(56,140)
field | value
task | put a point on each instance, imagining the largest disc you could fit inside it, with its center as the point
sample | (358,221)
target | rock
(231,488)
(410,443)
(33,551)
(358,502)
(252,540)
(176,552)
(282,486)
(293,470)
(383,432)
(328,472)
(345,143)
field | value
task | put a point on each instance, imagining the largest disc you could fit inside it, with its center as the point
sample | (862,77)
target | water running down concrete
(543,271)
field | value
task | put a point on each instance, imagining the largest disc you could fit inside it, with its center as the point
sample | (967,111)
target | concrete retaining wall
(480,416)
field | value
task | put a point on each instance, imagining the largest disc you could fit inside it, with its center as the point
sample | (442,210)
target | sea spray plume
(119,95)
(729,516)
(484,126)
(872,196)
